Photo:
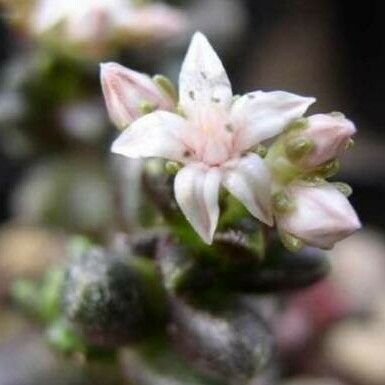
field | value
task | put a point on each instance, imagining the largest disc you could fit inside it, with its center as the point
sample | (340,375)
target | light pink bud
(329,135)
(322,215)
(127,91)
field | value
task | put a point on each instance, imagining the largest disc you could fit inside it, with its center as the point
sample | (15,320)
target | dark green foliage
(112,300)
(231,342)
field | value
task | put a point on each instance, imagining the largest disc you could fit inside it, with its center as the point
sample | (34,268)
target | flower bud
(322,215)
(325,137)
(128,94)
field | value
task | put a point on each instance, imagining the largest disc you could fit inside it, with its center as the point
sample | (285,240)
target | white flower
(98,20)
(126,90)
(322,215)
(213,138)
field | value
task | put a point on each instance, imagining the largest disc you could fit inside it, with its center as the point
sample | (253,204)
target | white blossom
(213,139)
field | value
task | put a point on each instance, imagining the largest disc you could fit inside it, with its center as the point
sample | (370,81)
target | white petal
(196,191)
(261,115)
(203,80)
(158,134)
(249,180)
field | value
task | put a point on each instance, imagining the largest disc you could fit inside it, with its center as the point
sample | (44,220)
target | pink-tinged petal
(203,80)
(261,115)
(196,191)
(158,134)
(248,179)
(125,90)
(322,215)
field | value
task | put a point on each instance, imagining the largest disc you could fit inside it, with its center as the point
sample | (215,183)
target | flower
(95,22)
(213,139)
(126,92)
(321,215)
(327,136)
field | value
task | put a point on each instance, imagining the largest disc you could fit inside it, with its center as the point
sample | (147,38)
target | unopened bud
(172,167)
(146,107)
(344,188)
(296,148)
(282,203)
(329,135)
(297,124)
(328,169)
(322,215)
(166,85)
(291,242)
(261,150)
(130,94)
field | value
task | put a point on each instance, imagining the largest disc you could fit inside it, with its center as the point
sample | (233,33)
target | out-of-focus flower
(212,138)
(356,349)
(129,93)
(94,27)
(320,214)
(323,138)
(359,270)
(307,314)
(96,22)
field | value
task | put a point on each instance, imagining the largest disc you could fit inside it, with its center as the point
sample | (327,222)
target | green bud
(282,203)
(328,169)
(297,147)
(261,150)
(312,180)
(350,144)
(166,85)
(344,188)
(172,167)
(337,114)
(291,243)
(146,107)
(297,124)
(179,111)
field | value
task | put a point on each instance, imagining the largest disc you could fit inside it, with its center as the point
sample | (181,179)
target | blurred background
(57,177)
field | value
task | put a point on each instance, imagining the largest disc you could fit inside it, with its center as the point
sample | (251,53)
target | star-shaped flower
(213,139)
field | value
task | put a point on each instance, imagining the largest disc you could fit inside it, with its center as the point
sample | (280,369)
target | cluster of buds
(95,26)
(212,136)
(307,208)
